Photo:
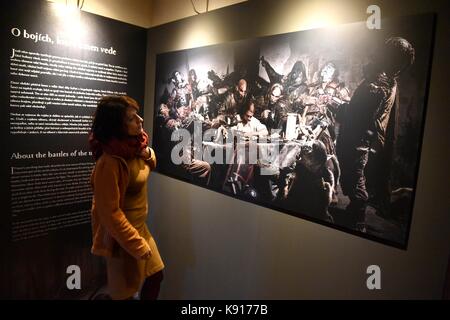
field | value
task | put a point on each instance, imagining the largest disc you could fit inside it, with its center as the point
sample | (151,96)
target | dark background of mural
(350,46)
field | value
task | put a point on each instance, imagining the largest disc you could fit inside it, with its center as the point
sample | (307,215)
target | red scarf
(126,148)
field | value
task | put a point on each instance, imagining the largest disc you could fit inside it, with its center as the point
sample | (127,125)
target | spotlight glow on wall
(200,34)
(70,26)
(305,15)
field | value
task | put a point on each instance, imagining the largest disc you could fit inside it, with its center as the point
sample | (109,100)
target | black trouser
(150,288)
(353,179)
(353,182)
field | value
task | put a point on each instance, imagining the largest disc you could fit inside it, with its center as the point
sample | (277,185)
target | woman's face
(133,122)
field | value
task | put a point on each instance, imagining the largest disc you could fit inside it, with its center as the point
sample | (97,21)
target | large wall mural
(322,124)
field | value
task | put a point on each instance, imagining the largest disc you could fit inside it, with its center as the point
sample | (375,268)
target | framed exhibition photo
(323,124)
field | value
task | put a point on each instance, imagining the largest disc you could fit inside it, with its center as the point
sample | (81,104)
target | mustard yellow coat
(119,229)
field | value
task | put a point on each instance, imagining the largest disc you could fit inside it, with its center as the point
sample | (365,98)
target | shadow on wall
(177,266)
(446,294)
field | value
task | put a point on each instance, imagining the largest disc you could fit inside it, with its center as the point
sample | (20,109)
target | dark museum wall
(54,65)
(217,247)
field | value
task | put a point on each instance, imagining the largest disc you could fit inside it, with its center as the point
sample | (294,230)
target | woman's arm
(148,154)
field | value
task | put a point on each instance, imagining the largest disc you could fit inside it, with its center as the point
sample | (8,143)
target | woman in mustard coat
(119,207)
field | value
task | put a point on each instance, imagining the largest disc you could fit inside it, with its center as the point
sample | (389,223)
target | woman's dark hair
(109,117)
(298,69)
(192,73)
